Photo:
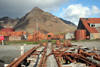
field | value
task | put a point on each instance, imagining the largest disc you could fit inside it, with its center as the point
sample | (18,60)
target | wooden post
(22,50)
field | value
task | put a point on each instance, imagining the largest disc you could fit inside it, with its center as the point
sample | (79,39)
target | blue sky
(83,3)
(70,10)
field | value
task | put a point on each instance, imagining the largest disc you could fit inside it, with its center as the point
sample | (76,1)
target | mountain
(45,21)
(68,22)
(7,22)
(1,27)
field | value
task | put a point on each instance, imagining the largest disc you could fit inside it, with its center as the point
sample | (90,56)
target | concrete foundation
(94,36)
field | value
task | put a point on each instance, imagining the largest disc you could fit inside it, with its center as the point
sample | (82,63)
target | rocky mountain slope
(7,22)
(45,21)
(1,27)
(68,22)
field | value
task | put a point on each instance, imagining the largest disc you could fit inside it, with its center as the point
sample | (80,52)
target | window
(85,18)
(92,25)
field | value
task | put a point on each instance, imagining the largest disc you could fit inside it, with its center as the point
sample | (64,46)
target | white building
(69,35)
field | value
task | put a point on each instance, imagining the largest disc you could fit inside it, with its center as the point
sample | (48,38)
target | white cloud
(76,11)
(95,10)
(18,8)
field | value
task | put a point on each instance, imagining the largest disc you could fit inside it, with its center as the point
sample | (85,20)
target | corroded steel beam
(22,57)
(88,54)
(68,58)
(42,59)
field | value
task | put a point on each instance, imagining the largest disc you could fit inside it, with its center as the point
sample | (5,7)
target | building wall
(25,36)
(96,24)
(15,38)
(82,27)
(94,36)
(69,36)
(30,38)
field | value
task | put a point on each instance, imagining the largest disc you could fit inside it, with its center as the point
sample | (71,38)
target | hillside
(46,22)
(68,22)
(1,27)
(7,22)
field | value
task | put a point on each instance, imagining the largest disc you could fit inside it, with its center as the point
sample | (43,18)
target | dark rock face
(68,22)
(1,27)
(7,22)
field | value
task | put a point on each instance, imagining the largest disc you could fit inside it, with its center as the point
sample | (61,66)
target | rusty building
(92,27)
(15,38)
(37,36)
(69,35)
(8,29)
(10,35)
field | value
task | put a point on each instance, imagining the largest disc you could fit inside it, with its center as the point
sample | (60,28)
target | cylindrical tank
(80,34)
(7,29)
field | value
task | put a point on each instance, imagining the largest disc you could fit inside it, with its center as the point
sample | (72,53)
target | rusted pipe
(94,54)
(85,53)
(17,63)
(41,61)
(91,64)
(58,62)
(18,59)
(21,58)
(68,58)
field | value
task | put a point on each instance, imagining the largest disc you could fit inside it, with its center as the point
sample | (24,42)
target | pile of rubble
(68,55)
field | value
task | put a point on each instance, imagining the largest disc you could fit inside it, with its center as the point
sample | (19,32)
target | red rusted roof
(94,29)
(90,20)
(18,33)
(4,33)
(93,20)
(15,36)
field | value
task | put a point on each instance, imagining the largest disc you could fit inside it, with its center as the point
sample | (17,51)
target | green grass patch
(17,42)
(85,40)
(35,42)
(53,41)
(46,41)
(43,41)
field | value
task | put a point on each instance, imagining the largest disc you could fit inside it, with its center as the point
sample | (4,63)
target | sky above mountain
(70,10)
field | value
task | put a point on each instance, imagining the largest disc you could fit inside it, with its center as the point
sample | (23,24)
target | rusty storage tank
(8,29)
(80,35)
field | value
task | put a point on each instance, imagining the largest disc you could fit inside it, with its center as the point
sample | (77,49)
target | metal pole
(37,27)
(2,42)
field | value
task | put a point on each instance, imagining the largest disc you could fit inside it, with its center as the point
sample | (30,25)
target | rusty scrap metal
(41,64)
(21,58)
(63,53)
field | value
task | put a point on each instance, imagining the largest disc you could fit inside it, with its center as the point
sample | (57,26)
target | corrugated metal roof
(94,29)
(93,20)
(90,20)
(4,33)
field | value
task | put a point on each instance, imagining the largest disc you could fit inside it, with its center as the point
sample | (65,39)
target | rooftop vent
(85,18)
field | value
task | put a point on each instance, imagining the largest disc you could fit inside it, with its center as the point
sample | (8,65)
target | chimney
(36,26)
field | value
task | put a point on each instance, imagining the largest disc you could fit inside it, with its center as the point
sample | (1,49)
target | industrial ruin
(58,55)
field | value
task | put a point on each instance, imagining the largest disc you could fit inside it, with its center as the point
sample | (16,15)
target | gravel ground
(89,44)
(9,52)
